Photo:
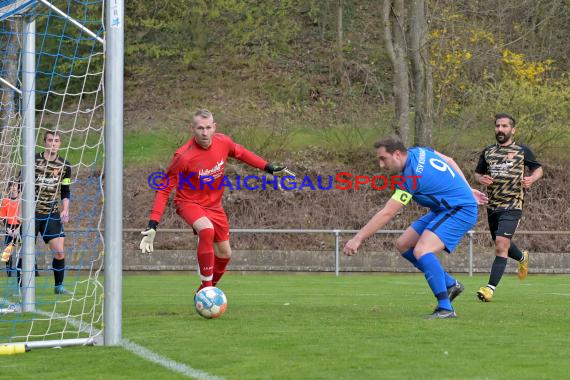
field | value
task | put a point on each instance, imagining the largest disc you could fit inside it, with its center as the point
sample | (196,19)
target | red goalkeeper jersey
(191,162)
(10,210)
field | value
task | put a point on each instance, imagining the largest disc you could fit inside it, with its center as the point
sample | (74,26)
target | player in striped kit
(52,176)
(501,168)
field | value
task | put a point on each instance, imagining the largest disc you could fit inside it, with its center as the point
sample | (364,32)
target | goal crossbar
(72,20)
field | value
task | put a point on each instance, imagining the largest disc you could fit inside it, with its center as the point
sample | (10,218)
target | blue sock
(409,255)
(435,276)
(449,281)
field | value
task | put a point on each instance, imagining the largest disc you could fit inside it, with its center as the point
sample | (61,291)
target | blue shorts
(448,225)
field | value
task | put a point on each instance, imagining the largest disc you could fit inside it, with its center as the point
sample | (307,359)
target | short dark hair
(391,144)
(50,132)
(12,183)
(505,116)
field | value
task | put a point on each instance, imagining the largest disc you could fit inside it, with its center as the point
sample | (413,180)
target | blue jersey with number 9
(439,187)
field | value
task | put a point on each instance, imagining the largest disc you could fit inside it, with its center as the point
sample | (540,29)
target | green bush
(541,109)
(171,29)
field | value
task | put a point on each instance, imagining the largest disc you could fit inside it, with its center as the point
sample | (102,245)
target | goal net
(63,40)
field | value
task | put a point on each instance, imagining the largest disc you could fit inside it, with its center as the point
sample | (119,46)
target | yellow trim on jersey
(66,181)
(402,196)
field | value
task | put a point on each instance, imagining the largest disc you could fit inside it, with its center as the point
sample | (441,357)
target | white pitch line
(136,349)
(560,294)
(167,363)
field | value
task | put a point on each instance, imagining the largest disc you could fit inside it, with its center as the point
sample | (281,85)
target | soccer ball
(210,302)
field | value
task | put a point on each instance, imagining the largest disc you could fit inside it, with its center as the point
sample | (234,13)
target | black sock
(515,253)
(19,271)
(58,270)
(9,267)
(497,270)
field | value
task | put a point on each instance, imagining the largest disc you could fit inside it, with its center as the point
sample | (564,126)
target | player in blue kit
(435,181)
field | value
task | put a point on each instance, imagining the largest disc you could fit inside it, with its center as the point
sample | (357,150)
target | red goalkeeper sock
(219,268)
(205,253)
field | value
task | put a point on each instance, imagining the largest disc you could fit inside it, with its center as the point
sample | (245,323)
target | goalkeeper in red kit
(197,171)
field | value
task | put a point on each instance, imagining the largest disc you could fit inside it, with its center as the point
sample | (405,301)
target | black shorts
(49,226)
(503,222)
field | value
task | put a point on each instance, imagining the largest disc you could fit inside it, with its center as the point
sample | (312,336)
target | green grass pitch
(318,326)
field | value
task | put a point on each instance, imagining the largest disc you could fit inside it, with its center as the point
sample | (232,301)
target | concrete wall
(324,261)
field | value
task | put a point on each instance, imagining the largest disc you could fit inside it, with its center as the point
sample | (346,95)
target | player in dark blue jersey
(435,181)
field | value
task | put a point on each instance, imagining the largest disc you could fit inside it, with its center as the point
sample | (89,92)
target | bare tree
(422,73)
(340,43)
(393,18)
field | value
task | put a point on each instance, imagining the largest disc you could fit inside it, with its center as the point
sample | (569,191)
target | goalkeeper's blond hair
(203,114)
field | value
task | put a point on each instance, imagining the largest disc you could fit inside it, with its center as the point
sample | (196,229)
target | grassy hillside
(273,75)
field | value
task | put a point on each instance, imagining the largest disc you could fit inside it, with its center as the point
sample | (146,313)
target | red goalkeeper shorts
(191,212)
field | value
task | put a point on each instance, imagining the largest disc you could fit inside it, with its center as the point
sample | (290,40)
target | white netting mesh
(69,99)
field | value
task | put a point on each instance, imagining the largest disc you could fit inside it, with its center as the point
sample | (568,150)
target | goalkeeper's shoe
(455,290)
(485,294)
(202,286)
(59,289)
(442,314)
(523,266)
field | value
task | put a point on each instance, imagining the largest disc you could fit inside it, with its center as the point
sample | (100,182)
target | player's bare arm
(480,197)
(382,217)
(64,214)
(534,176)
(484,179)
(452,163)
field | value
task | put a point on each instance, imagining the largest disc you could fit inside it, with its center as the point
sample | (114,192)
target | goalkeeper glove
(278,170)
(148,237)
